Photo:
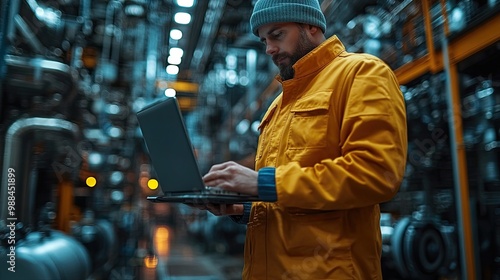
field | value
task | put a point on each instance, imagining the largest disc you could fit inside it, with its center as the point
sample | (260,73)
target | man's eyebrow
(273,29)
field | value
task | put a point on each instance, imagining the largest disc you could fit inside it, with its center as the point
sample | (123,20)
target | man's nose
(271,49)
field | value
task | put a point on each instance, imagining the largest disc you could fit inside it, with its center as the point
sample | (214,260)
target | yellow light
(153,184)
(91,181)
(162,241)
(150,261)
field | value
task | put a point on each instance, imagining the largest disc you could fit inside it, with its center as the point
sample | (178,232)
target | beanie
(274,11)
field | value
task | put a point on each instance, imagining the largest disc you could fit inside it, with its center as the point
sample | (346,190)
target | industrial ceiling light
(49,16)
(177,52)
(174,60)
(134,10)
(170,92)
(372,26)
(185,3)
(172,69)
(182,18)
(175,34)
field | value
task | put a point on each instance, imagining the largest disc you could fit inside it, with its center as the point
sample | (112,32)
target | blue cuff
(243,219)
(266,183)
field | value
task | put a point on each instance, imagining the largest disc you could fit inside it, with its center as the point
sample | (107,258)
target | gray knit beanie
(274,11)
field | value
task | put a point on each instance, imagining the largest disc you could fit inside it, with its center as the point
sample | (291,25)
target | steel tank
(46,255)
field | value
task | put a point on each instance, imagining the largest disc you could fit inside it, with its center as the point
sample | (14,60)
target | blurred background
(75,172)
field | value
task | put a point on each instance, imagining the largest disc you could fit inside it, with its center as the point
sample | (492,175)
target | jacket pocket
(309,124)
(318,245)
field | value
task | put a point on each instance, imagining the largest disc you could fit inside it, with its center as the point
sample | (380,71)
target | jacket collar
(318,58)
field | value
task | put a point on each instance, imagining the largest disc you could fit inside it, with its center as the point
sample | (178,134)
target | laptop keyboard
(219,191)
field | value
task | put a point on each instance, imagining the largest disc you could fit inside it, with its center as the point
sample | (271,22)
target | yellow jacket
(337,138)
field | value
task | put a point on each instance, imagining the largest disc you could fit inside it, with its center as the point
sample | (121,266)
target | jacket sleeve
(243,219)
(373,147)
(267,192)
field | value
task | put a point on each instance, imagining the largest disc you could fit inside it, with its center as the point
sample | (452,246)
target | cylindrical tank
(49,255)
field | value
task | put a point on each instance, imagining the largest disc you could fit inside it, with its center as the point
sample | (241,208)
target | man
(332,147)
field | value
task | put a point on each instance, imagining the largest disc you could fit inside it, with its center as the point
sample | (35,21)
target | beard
(304,46)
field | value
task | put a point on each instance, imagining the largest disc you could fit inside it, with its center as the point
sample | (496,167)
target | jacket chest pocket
(307,137)
(308,128)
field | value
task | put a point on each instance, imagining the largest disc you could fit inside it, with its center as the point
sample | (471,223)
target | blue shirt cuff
(266,183)
(243,219)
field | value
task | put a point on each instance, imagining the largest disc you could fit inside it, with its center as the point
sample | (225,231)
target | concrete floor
(180,257)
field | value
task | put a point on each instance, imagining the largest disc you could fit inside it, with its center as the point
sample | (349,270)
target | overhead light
(49,16)
(255,126)
(175,34)
(170,92)
(371,26)
(150,261)
(95,159)
(185,3)
(116,177)
(117,196)
(243,126)
(134,10)
(182,18)
(172,69)
(91,181)
(153,184)
(178,52)
(115,132)
(175,60)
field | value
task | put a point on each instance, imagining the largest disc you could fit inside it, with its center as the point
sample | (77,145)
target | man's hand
(220,209)
(233,177)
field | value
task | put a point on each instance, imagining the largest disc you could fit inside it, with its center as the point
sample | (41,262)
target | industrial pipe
(15,142)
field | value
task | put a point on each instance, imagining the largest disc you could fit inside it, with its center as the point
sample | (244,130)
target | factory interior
(75,172)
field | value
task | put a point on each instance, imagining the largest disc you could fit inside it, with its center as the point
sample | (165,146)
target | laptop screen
(169,147)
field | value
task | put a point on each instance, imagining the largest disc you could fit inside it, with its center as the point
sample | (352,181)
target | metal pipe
(468,253)
(108,67)
(446,26)
(28,34)
(15,143)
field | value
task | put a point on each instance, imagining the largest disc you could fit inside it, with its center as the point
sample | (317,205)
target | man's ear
(313,29)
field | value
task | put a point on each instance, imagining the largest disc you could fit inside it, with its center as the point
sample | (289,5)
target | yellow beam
(65,203)
(412,70)
(475,40)
(184,86)
(180,86)
(459,49)
(186,103)
(429,40)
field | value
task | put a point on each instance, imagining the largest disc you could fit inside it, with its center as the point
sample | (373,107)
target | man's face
(286,43)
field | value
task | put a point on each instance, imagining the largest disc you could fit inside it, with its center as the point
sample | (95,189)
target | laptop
(173,158)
